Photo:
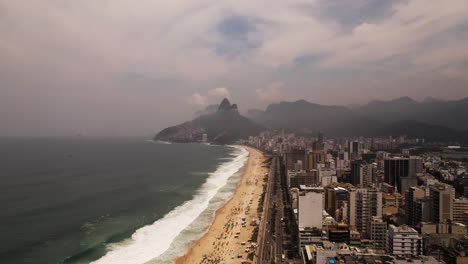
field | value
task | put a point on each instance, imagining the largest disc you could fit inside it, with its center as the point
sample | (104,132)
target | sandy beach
(228,238)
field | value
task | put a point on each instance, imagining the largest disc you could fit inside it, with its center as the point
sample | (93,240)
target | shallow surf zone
(152,241)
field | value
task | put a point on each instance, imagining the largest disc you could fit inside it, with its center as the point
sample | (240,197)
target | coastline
(220,243)
(183,224)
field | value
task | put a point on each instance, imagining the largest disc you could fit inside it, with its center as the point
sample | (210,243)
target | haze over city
(127,68)
(234,131)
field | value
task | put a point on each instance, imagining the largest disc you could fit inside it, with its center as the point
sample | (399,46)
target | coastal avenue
(270,232)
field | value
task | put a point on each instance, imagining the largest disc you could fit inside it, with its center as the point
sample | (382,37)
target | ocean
(82,200)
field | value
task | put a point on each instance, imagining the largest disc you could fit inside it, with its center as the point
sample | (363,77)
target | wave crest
(151,241)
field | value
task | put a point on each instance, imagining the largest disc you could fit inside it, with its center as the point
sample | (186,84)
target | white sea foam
(160,142)
(153,240)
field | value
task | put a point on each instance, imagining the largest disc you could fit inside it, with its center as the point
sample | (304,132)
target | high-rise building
(346,155)
(378,232)
(319,143)
(441,197)
(355,176)
(361,173)
(292,156)
(298,178)
(415,166)
(364,203)
(394,169)
(412,195)
(460,209)
(336,197)
(422,211)
(353,149)
(326,176)
(403,240)
(310,207)
(313,159)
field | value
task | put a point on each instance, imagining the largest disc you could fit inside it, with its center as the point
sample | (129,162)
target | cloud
(414,28)
(212,96)
(219,92)
(272,93)
(172,39)
(62,58)
(198,99)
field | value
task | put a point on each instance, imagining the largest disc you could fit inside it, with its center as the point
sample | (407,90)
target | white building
(326,176)
(310,207)
(327,180)
(403,240)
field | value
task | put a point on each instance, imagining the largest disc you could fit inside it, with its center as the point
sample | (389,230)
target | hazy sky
(132,67)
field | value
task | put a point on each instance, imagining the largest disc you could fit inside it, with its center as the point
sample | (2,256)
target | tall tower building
(361,173)
(353,149)
(412,196)
(293,156)
(313,159)
(364,203)
(336,198)
(378,232)
(415,166)
(441,198)
(395,169)
(320,141)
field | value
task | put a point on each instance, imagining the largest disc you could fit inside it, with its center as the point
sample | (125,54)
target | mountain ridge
(431,119)
(225,126)
(371,119)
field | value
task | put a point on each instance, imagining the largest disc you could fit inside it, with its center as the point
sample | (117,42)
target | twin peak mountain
(225,126)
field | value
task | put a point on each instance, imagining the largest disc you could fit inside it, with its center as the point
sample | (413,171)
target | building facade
(394,169)
(403,241)
(364,203)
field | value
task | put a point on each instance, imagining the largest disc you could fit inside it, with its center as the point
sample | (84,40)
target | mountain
(253,113)
(430,99)
(415,129)
(451,114)
(432,118)
(224,126)
(208,110)
(302,116)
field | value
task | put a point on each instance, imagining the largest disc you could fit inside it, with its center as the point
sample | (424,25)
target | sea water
(80,200)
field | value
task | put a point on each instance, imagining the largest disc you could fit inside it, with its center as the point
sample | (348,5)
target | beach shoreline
(227,238)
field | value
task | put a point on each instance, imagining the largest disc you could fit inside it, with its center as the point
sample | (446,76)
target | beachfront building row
(348,191)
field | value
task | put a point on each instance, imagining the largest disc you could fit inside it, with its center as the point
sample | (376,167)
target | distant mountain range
(432,119)
(223,126)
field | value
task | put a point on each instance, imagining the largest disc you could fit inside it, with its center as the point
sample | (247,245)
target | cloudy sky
(126,67)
